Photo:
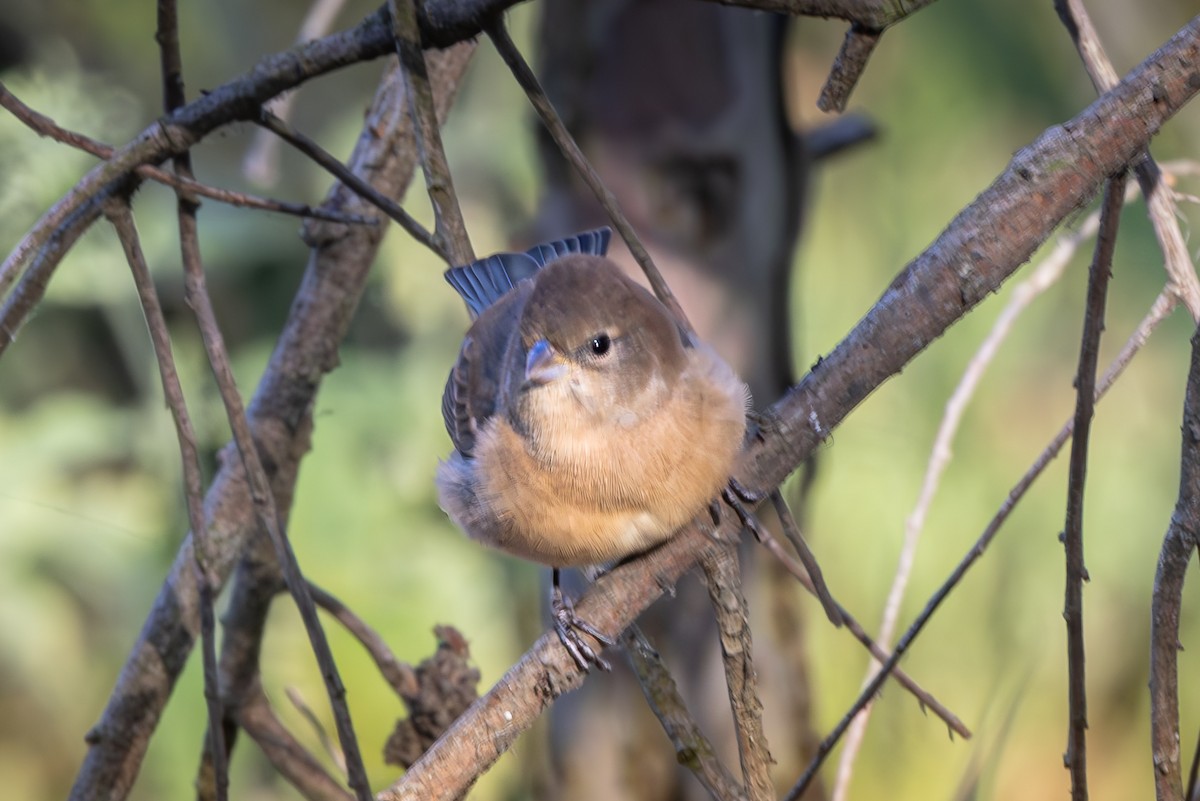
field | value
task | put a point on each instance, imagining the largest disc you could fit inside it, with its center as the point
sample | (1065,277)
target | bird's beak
(543,364)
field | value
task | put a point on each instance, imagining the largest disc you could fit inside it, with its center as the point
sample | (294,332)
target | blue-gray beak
(543,364)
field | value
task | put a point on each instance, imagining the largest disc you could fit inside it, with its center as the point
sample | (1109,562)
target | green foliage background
(90,505)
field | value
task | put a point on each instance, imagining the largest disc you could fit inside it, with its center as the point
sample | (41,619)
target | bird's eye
(600,344)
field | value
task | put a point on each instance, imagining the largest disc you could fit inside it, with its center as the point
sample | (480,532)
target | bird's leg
(569,625)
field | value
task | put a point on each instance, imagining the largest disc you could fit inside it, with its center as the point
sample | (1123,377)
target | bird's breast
(568,493)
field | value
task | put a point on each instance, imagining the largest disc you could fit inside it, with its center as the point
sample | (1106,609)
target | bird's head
(597,341)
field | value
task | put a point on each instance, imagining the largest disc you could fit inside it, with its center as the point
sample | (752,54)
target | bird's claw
(742,492)
(569,627)
(736,496)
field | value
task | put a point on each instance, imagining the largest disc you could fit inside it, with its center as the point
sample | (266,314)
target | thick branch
(983,245)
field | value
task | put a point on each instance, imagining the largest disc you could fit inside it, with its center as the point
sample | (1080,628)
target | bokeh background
(91,511)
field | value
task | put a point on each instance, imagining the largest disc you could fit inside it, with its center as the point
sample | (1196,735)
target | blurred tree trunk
(680,106)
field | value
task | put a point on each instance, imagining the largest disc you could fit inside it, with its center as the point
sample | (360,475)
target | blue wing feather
(482,283)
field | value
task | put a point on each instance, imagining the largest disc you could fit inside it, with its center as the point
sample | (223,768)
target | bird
(588,424)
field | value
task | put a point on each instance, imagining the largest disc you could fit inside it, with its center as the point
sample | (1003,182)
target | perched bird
(587,425)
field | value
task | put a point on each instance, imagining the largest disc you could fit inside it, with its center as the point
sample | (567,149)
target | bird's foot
(571,628)
(736,496)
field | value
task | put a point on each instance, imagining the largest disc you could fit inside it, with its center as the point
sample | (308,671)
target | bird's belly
(563,536)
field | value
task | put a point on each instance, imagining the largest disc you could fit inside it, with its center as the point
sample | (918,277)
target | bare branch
(171,64)
(261,162)
(807,558)
(852,625)
(570,150)
(1075,758)
(449,228)
(723,579)
(338,170)
(121,218)
(1179,543)
(281,416)
(444,23)
(262,498)
(45,126)
(1048,271)
(1159,201)
(848,67)
(285,753)
(398,674)
(692,748)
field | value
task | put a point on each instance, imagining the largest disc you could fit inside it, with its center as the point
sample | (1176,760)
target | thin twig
(314,722)
(924,698)
(1159,202)
(692,748)
(45,126)
(260,164)
(264,502)
(450,230)
(1179,543)
(196,293)
(120,216)
(570,150)
(364,190)
(1159,310)
(285,753)
(398,674)
(1047,273)
(848,67)
(723,579)
(171,65)
(282,420)
(1075,758)
(807,558)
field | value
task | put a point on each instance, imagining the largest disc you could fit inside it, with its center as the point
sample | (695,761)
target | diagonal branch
(852,625)
(44,126)
(322,157)
(692,748)
(571,151)
(450,231)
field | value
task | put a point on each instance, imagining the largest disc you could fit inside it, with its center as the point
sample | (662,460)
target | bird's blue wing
(482,283)
(594,243)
